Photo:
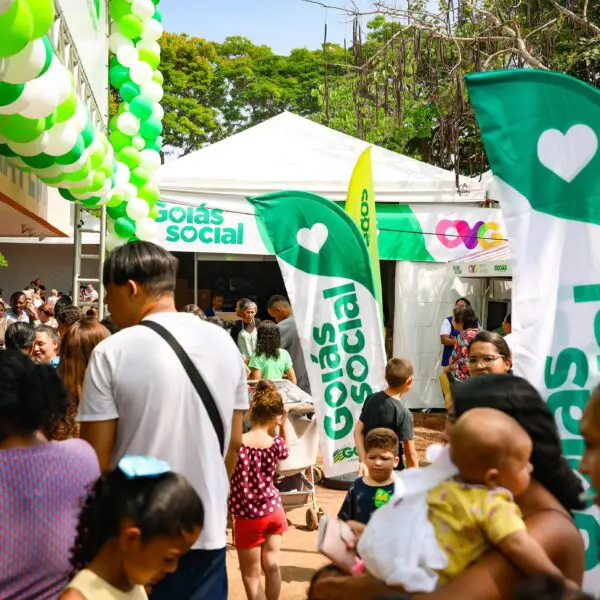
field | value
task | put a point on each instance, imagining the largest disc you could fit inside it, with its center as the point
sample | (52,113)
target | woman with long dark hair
(554,493)
(271,361)
(43,483)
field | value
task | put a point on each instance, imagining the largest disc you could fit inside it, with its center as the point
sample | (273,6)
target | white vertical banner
(327,273)
(541,132)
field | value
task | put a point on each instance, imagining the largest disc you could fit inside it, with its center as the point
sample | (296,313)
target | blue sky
(281,24)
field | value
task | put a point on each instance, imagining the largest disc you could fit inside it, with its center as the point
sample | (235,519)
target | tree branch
(580,20)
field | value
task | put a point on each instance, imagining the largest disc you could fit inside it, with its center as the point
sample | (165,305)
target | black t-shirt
(381,410)
(363,500)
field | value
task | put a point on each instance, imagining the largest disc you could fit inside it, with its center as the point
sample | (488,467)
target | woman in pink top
(254,501)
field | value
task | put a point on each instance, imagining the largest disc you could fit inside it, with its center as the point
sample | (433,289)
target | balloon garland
(47,130)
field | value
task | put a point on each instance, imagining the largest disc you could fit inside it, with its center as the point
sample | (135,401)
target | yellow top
(468,520)
(93,587)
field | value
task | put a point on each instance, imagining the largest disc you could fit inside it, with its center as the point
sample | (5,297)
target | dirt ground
(299,558)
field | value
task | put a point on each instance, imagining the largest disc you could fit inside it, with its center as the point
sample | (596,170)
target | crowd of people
(111,487)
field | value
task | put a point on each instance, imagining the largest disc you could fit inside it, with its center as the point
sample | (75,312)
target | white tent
(289,152)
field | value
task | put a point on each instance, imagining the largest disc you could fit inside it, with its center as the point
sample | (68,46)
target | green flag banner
(540,131)
(327,273)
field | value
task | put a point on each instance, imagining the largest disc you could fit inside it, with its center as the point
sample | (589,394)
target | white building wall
(52,262)
(425,296)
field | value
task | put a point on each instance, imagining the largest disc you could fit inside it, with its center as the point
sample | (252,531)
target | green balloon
(157,16)
(142,107)
(53,181)
(88,134)
(119,9)
(20,129)
(97,157)
(112,124)
(43,13)
(39,161)
(9,92)
(66,194)
(73,155)
(129,156)
(6,151)
(154,213)
(150,193)
(113,62)
(67,109)
(158,77)
(50,121)
(16,26)
(149,57)
(139,177)
(129,91)
(78,175)
(124,227)
(118,75)
(151,128)
(116,200)
(155,2)
(90,202)
(116,212)
(119,140)
(130,26)
(155,144)
(98,180)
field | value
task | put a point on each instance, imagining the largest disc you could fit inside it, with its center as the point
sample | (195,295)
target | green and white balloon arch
(46,129)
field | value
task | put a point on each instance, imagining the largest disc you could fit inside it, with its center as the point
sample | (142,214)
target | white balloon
(137,209)
(61,138)
(63,82)
(151,45)
(113,241)
(152,30)
(143,9)
(81,116)
(128,124)
(127,55)
(32,148)
(104,192)
(153,90)
(26,64)
(85,182)
(84,195)
(50,172)
(150,160)
(123,173)
(158,112)
(116,41)
(141,72)
(42,104)
(138,142)
(129,191)
(146,229)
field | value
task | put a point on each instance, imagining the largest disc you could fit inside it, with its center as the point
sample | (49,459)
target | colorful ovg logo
(454,233)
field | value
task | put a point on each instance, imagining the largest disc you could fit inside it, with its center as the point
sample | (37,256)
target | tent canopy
(495,262)
(290,152)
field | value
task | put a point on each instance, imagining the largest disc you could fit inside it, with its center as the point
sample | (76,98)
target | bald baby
(490,448)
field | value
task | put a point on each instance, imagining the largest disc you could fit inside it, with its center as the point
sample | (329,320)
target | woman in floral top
(465,321)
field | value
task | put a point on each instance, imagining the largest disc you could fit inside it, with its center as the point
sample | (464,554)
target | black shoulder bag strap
(196,379)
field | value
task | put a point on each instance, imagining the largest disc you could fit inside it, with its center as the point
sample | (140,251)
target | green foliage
(3,261)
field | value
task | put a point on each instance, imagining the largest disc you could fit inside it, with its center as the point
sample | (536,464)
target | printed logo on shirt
(382,497)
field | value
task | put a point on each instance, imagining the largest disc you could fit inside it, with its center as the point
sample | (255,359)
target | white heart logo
(314,238)
(567,155)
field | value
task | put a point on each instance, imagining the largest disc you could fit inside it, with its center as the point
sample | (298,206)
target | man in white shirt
(90,295)
(138,400)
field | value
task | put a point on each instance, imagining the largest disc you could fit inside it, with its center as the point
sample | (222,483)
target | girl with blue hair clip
(137,522)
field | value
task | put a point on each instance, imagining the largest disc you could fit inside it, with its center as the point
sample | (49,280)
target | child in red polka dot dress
(254,501)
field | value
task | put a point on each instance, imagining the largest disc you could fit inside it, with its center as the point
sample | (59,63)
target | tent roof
(290,152)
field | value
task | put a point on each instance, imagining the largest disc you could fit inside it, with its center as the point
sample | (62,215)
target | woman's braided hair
(162,505)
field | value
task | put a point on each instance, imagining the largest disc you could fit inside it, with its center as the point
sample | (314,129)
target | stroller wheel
(312,519)
(318,474)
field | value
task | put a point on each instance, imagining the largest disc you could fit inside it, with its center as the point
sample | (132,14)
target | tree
(193,92)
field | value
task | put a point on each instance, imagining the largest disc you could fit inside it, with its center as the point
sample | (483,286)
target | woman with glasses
(488,354)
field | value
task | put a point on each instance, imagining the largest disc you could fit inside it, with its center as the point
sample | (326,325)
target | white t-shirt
(509,341)
(91,296)
(134,376)
(446,328)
